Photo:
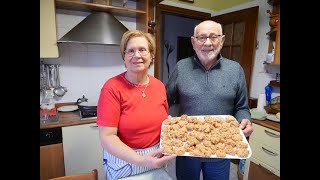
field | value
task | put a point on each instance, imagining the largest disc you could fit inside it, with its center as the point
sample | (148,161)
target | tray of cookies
(209,136)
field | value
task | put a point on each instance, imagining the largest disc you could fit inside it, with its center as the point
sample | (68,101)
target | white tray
(228,156)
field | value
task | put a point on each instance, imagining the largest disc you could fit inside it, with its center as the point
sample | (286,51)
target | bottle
(242,165)
(268,92)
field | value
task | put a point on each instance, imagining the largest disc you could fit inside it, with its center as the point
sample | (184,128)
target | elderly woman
(131,108)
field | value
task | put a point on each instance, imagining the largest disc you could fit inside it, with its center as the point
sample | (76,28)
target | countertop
(67,119)
(269,124)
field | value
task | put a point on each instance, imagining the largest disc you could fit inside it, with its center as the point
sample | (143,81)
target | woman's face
(137,56)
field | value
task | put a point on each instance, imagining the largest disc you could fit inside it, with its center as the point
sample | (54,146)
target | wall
(84,68)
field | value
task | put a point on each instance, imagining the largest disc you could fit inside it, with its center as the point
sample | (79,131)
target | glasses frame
(215,36)
(134,53)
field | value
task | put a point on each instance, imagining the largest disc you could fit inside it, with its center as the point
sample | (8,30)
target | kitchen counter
(269,124)
(67,119)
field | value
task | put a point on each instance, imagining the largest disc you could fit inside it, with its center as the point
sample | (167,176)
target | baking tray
(201,118)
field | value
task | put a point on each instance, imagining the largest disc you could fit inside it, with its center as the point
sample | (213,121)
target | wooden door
(239,29)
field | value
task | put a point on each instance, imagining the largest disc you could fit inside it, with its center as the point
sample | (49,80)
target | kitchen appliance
(51,153)
(97,28)
(86,114)
(87,110)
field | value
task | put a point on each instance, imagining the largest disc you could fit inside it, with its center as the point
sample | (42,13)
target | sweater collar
(215,65)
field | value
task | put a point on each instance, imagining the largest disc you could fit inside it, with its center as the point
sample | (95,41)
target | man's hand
(246,127)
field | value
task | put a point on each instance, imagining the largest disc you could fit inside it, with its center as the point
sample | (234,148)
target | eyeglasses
(132,52)
(212,38)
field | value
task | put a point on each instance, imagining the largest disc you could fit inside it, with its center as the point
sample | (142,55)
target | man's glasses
(212,38)
(132,52)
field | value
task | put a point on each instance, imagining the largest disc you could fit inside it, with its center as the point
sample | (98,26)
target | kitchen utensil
(59,90)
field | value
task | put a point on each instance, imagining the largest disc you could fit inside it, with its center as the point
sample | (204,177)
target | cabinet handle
(269,152)
(271,134)
(94,126)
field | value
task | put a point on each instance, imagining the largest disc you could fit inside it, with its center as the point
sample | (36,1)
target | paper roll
(261,102)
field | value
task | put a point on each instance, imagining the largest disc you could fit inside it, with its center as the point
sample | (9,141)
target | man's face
(208,41)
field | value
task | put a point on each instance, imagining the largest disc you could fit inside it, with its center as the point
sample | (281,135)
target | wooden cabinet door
(48,32)
(51,161)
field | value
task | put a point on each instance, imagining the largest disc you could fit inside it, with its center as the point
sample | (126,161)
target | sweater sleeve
(241,108)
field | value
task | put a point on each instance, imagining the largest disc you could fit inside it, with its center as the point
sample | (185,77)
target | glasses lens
(132,52)
(203,39)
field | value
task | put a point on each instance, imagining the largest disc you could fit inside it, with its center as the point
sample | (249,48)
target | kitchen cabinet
(138,9)
(48,35)
(265,160)
(51,161)
(82,150)
(274,33)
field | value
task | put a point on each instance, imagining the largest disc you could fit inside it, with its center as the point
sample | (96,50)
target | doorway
(184,48)
(172,22)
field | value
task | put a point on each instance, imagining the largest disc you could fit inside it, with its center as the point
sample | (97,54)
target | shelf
(85,6)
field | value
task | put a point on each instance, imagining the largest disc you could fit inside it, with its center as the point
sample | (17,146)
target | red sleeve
(108,110)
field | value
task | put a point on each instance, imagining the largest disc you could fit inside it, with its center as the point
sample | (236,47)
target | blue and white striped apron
(117,168)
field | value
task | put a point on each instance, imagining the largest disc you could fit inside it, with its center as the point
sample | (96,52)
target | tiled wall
(85,68)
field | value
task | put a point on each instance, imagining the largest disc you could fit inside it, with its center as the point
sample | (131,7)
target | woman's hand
(156,159)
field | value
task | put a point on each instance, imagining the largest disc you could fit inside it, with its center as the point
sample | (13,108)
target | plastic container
(268,91)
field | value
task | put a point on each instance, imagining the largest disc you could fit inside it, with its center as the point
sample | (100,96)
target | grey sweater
(221,90)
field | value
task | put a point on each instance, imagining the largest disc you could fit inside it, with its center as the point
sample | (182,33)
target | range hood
(97,28)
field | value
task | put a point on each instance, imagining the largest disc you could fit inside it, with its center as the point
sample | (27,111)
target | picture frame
(189,1)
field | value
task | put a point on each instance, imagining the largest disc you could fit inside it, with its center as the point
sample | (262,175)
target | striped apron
(117,168)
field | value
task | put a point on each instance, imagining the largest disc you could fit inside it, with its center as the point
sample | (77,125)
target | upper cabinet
(127,8)
(274,33)
(48,35)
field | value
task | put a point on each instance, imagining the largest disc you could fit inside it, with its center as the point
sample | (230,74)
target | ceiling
(214,5)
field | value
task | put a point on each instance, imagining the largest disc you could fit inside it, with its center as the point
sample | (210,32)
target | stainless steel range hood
(97,28)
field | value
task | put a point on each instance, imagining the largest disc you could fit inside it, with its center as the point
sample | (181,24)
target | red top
(137,118)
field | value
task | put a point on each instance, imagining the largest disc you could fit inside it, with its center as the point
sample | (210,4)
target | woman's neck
(137,79)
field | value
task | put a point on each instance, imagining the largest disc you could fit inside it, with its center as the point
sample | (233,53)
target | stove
(86,114)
